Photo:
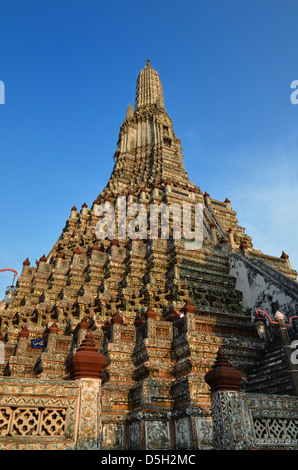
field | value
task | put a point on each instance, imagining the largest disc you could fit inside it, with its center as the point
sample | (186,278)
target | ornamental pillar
(224,381)
(86,366)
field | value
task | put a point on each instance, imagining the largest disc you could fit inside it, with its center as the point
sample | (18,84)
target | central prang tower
(148,152)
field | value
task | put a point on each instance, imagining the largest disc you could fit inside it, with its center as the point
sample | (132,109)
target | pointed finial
(87,361)
(107,326)
(139,321)
(279,316)
(223,376)
(148,63)
(54,328)
(117,319)
(189,307)
(150,312)
(173,315)
(24,333)
(129,112)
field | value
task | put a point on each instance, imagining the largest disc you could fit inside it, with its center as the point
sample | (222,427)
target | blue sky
(70,69)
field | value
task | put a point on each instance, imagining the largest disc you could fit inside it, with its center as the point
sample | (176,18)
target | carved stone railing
(55,414)
(25,421)
(49,414)
(274,428)
(38,413)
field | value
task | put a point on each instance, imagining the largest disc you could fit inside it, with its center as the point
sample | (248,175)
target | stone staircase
(270,374)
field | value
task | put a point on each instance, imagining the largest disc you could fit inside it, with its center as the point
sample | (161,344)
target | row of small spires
(95,247)
(107,198)
(167,182)
(132,193)
(227,201)
(243,244)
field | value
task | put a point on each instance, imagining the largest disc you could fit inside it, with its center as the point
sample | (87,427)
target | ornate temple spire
(148,89)
(148,150)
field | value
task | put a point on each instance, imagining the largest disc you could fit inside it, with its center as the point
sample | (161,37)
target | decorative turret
(24,333)
(129,112)
(223,376)
(87,362)
(117,319)
(150,313)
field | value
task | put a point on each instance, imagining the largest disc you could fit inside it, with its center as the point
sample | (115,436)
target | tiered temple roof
(158,312)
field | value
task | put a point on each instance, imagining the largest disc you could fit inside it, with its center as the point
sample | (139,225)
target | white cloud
(266,198)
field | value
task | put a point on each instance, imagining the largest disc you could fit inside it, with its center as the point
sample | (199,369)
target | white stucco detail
(259,291)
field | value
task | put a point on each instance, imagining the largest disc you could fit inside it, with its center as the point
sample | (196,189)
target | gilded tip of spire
(148,88)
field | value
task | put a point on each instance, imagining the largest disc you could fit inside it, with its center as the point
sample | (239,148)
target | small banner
(38,343)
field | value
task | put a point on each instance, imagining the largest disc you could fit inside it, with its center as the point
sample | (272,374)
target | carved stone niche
(134,436)
(112,436)
(157,435)
(182,428)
